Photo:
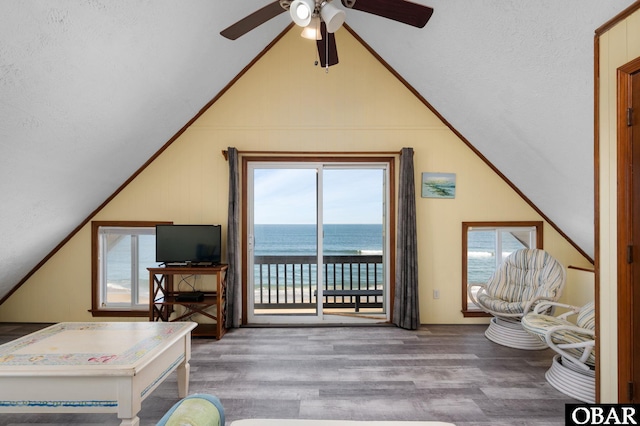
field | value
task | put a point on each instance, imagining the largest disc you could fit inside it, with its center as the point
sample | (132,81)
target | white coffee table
(93,367)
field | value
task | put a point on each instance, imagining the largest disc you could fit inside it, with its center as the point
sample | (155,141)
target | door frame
(337,158)
(625,228)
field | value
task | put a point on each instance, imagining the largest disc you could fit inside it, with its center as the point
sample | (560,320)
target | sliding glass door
(283,241)
(317,243)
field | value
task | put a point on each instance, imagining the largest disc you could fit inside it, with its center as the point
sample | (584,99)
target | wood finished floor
(440,372)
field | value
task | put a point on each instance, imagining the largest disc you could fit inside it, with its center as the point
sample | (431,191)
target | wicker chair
(524,279)
(572,370)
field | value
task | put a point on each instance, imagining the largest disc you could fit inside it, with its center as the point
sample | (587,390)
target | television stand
(164,298)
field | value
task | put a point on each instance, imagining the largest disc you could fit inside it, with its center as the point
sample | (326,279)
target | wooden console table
(164,298)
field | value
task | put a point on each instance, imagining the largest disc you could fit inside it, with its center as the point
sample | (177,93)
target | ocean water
(119,266)
(301,240)
(368,239)
(280,240)
(481,257)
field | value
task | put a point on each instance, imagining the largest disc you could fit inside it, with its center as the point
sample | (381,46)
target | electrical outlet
(436,294)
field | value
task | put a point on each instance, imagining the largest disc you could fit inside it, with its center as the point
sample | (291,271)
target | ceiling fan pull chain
(326,51)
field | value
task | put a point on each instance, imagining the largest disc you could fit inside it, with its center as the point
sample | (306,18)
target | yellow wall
(285,103)
(618,46)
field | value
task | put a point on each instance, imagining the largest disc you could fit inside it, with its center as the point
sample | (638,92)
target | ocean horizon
(339,239)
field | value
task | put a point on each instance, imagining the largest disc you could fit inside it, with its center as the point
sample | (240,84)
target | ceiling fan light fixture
(312,31)
(302,11)
(332,16)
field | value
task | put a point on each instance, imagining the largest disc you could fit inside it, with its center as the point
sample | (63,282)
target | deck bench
(350,292)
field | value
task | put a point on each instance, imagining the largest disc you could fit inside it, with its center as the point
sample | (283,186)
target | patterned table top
(89,345)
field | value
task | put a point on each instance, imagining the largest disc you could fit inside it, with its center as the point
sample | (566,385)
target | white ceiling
(89,90)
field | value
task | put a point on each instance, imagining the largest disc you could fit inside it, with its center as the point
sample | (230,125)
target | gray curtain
(406,313)
(234,285)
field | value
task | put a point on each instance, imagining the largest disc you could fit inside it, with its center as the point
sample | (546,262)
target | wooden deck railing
(290,282)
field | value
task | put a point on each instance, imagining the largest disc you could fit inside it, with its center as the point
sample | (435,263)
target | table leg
(183,379)
(134,421)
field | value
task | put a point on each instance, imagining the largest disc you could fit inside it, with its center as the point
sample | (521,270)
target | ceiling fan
(320,19)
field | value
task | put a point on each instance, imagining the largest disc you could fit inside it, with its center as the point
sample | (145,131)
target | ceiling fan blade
(398,10)
(327,45)
(252,21)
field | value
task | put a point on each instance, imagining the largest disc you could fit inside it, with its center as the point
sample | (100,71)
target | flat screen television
(177,244)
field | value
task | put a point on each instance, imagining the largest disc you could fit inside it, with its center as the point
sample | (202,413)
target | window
(485,245)
(121,254)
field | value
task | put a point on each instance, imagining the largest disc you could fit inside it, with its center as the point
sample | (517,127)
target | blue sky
(287,196)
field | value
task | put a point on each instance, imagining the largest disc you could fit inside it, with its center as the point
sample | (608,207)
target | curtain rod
(225,153)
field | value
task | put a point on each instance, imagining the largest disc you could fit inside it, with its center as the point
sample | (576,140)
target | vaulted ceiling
(90,90)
